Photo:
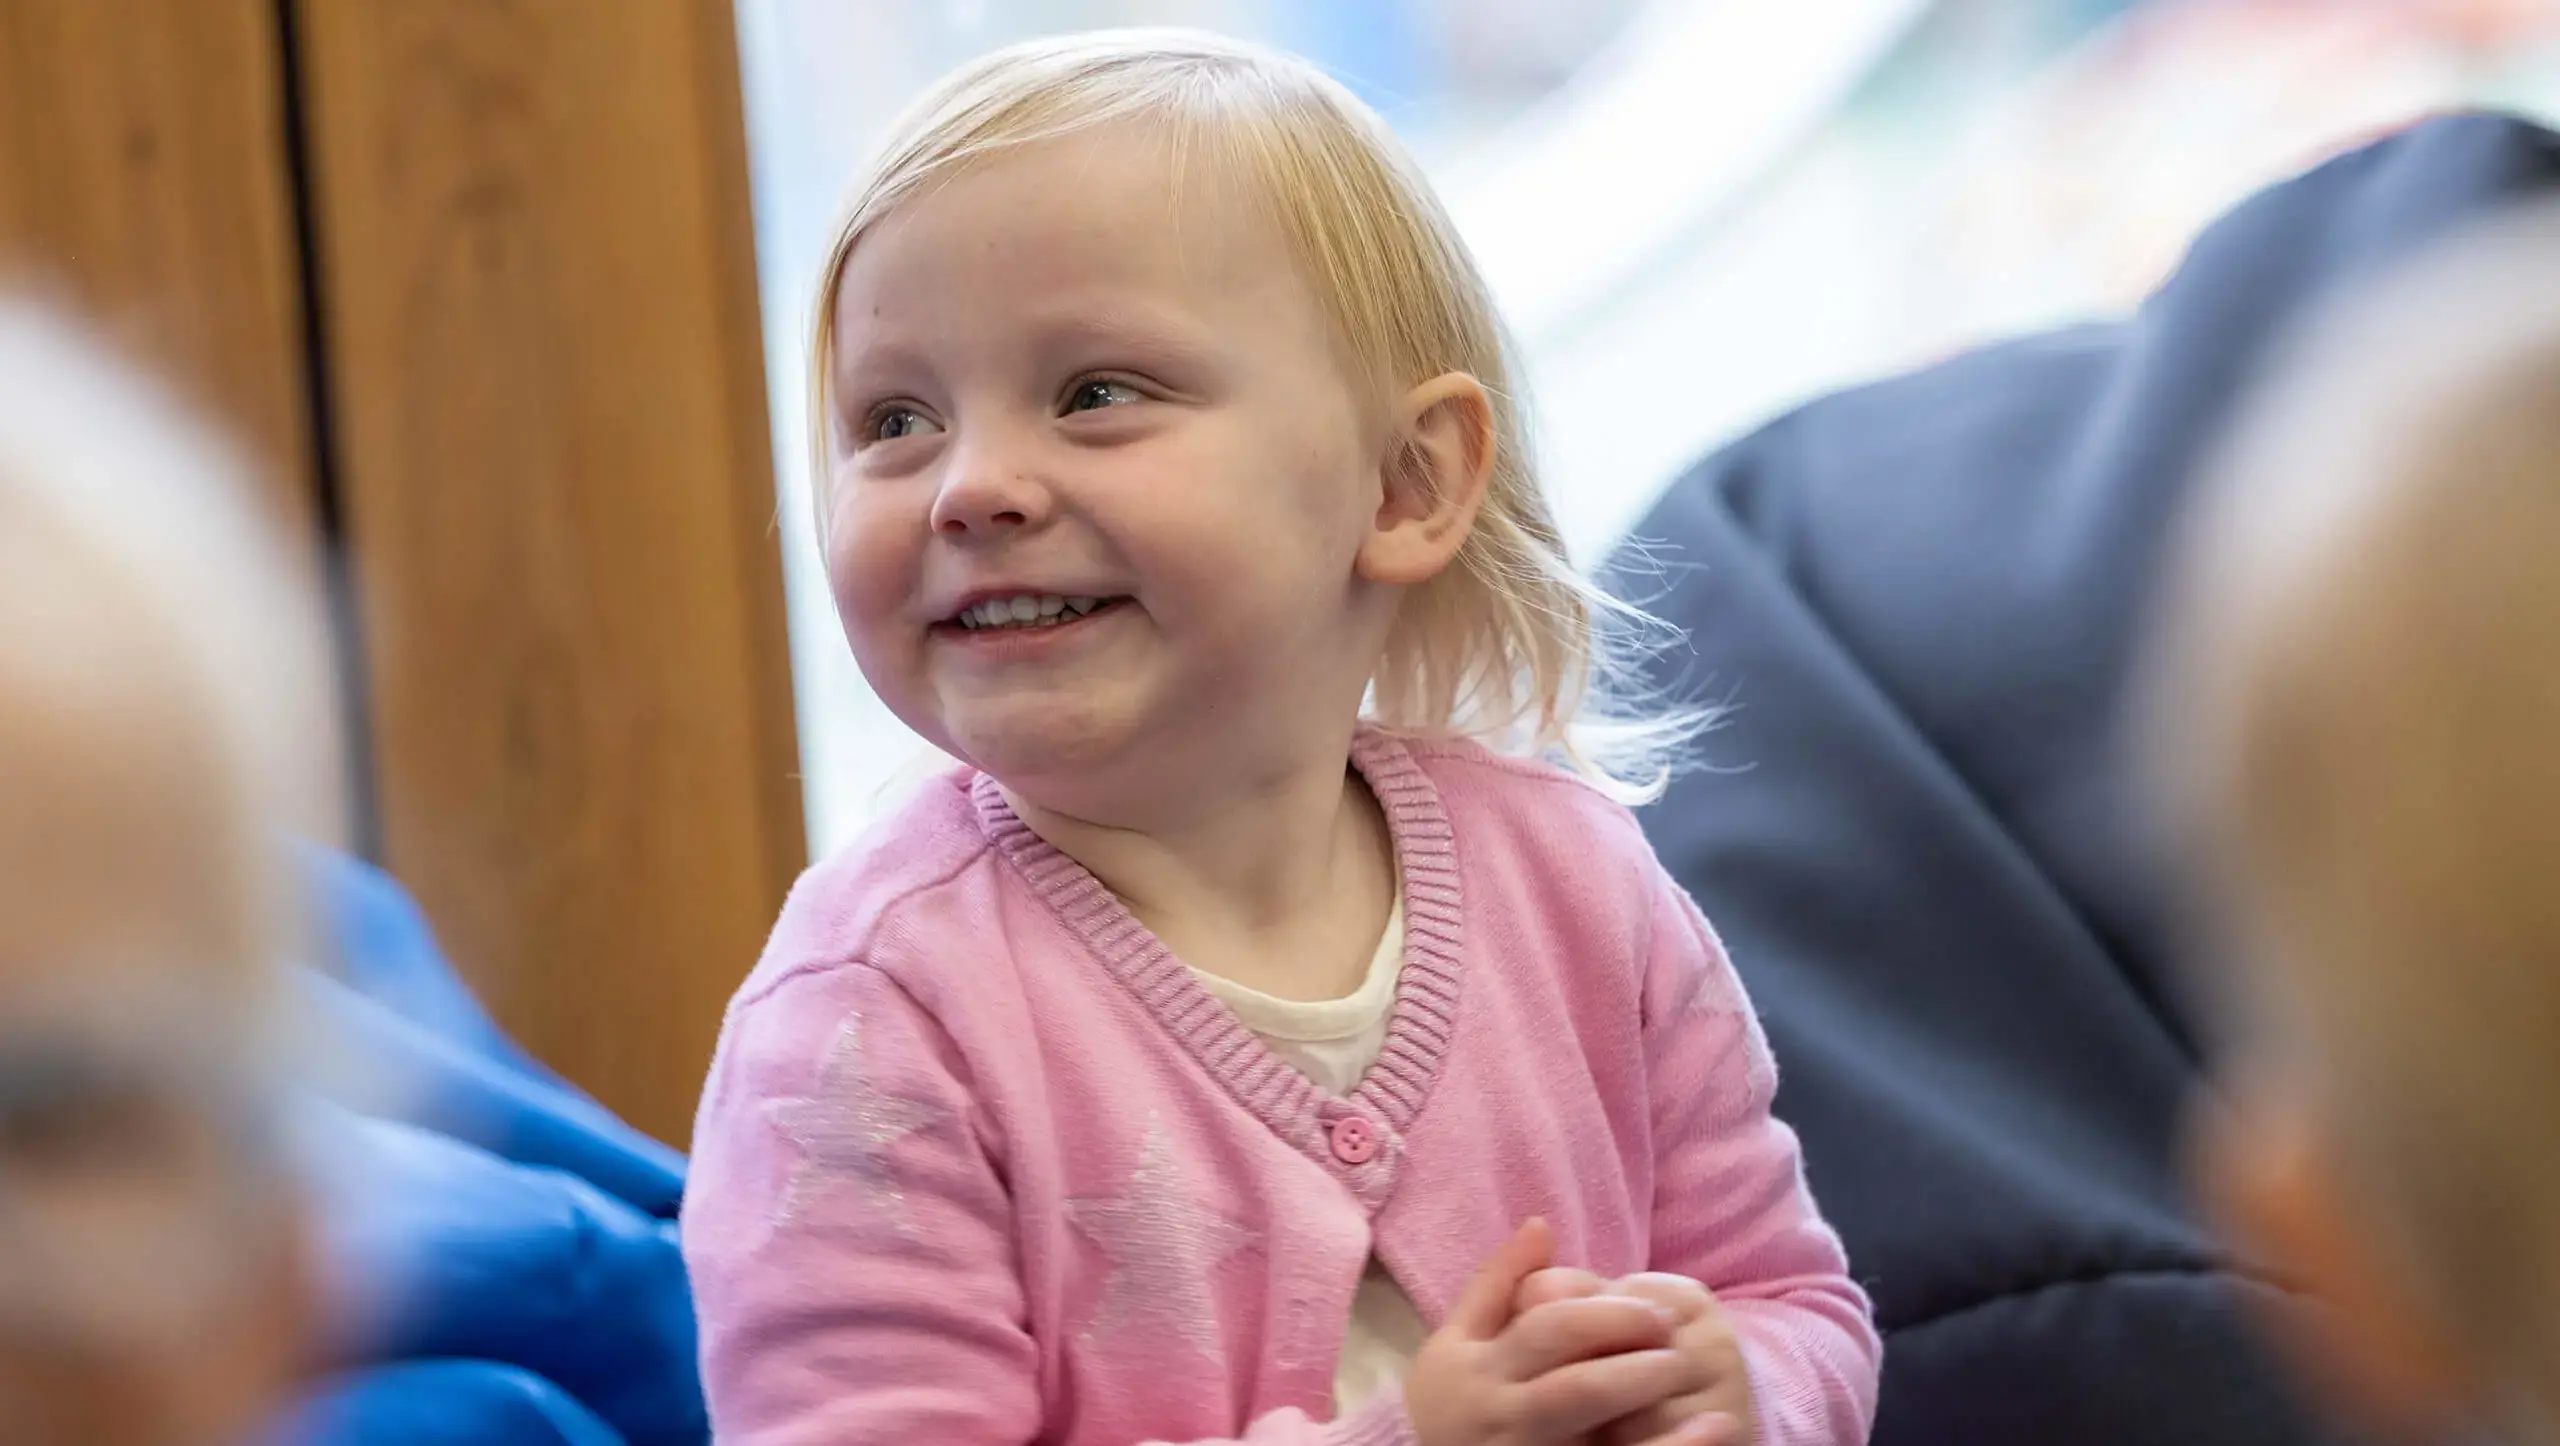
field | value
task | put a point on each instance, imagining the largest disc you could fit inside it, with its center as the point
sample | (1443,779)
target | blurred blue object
(391,1000)
(382,951)
(501,1251)
(446,1403)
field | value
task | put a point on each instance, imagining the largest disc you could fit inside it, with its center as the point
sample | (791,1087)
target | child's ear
(1439,457)
(2362,1337)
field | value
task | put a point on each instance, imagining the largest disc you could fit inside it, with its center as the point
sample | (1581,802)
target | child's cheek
(875,548)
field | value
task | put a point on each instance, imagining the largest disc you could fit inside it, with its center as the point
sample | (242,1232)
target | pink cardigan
(981,1164)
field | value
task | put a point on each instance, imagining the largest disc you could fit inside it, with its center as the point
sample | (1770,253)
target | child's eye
(1095,394)
(890,423)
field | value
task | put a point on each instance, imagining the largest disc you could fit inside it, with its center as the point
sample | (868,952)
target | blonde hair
(1509,646)
(146,607)
(2359,727)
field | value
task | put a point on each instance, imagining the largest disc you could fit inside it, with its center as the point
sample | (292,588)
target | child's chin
(1026,752)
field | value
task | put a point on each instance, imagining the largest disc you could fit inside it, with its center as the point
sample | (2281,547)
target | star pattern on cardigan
(1163,1247)
(843,1133)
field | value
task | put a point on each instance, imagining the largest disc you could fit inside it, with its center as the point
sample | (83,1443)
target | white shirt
(1333,1042)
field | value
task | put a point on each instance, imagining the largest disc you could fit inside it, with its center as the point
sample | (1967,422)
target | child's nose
(988,494)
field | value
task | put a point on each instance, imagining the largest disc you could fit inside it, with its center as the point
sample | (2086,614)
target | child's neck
(1281,883)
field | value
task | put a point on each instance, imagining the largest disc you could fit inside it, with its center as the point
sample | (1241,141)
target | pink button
(1355,1140)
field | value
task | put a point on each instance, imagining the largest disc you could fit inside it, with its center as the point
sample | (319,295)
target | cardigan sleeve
(1731,1209)
(848,1234)
(851,1239)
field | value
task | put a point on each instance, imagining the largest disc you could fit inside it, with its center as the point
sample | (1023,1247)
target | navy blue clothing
(1920,842)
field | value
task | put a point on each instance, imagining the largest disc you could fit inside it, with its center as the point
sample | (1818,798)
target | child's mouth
(1028,612)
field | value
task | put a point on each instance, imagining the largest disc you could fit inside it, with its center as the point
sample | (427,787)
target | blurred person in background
(162,723)
(2359,730)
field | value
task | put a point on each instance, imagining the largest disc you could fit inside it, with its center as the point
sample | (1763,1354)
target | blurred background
(510,295)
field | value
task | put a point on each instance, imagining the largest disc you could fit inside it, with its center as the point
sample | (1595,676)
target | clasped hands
(1536,1355)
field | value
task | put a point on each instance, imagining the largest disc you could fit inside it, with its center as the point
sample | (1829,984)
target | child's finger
(1686,1299)
(1575,1400)
(1556,1282)
(1484,1308)
(1656,1284)
(1714,1428)
(1562,1332)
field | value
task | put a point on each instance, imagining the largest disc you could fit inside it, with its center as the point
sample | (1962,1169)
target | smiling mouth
(1026,612)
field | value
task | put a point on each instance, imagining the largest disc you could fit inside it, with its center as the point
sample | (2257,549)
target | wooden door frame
(476,279)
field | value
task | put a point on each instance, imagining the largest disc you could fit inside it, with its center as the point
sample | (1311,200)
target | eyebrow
(1147,335)
(852,361)
(1134,321)
(1077,331)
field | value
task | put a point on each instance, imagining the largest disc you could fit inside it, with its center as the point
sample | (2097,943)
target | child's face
(1083,374)
(149,1285)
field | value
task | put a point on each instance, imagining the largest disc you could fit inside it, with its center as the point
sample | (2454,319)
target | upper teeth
(1026,609)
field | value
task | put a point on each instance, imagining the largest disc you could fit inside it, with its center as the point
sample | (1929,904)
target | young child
(1224,1047)
(161,723)
(2359,727)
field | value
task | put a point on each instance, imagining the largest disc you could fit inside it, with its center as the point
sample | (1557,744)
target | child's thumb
(1485,1307)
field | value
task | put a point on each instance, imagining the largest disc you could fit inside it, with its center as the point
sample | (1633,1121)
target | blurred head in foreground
(162,726)
(2357,727)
